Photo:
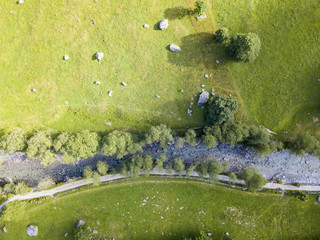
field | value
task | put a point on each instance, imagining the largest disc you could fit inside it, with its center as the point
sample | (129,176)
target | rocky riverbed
(280,165)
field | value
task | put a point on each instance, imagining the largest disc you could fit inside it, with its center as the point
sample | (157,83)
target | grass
(163,208)
(278,90)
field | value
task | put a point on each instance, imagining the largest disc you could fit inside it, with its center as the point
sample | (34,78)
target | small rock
(20,1)
(203,98)
(217,62)
(181,90)
(209,234)
(65,57)
(192,98)
(203,85)
(171,112)
(212,93)
(97,83)
(80,223)
(110,93)
(174,48)
(94,231)
(12,12)
(108,123)
(206,75)
(32,231)
(123,83)
(146,26)
(164,24)
(66,234)
(4,229)
(157,96)
(33,90)
(202,17)
(99,55)
(66,103)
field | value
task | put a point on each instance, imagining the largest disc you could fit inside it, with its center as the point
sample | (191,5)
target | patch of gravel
(279,165)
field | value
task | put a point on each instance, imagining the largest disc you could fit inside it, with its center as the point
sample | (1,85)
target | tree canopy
(245,47)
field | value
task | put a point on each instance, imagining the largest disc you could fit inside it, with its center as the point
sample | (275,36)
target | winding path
(108,178)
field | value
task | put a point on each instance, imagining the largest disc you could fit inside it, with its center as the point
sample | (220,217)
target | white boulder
(124,84)
(80,223)
(20,1)
(146,26)
(32,231)
(33,90)
(65,57)
(97,83)
(203,98)
(110,93)
(99,55)
(164,24)
(174,48)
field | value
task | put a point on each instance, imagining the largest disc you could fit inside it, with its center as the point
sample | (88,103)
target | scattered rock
(203,85)
(202,17)
(65,57)
(181,90)
(94,231)
(189,111)
(12,12)
(318,199)
(80,223)
(20,1)
(123,83)
(66,234)
(33,90)
(174,48)
(32,231)
(110,93)
(209,234)
(66,103)
(217,62)
(203,98)
(146,26)
(164,24)
(108,123)
(4,229)
(157,96)
(97,83)
(206,75)
(99,55)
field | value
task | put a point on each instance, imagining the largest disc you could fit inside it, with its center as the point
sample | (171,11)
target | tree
(179,142)
(214,168)
(21,188)
(159,134)
(225,165)
(209,140)
(254,180)
(39,143)
(222,35)
(132,167)
(305,143)
(221,109)
(190,170)
(233,176)
(9,188)
(96,179)
(14,211)
(245,47)
(147,165)
(102,168)
(191,137)
(201,7)
(178,165)
(87,172)
(233,132)
(82,233)
(14,141)
(60,141)
(202,169)
(120,143)
(46,183)
(160,161)
(48,158)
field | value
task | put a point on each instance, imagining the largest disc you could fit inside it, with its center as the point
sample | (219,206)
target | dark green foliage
(202,169)
(132,167)
(39,143)
(147,165)
(245,47)
(209,140)
(159,134)
(120,143)
(296,184)
(190,137)
(179,142)
(221,109)
(302,196)
(254,180)
(13,141)
(14,211)
(214,168)
(305,143)
(233,132)
(221,35)
(102,168)
(178,165)
(87,172)
(82,233)
(214,131)
(200,8)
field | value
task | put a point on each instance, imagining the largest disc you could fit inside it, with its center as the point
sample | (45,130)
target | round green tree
(245,47)
(221,109)
(221,35)
(201,7)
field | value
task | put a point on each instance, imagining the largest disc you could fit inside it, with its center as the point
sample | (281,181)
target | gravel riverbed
(280,165)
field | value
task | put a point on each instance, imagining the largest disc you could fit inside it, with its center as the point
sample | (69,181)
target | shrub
(169,169)
(120,143)
(87,172)
(296,184)
(305,143)
(160,161)
(102,168)
(233,176)
(132,167)
(14,211)
(191,137)
(222,35)
(214,168)
(178,165)
(147,165)
(48,158)
(233,132)
(225,165)
(190,170)
(160,134)
(254,180)
(202,169)
(14,141)
(82,233)
(21,188)
(245,47)
(9,188)
(96,179)
(39,143)
(46,183)
(209,140)
(214,131)
(302,196)
(201,7)
(67,158)
(60,141)
(179,142)
(221,109)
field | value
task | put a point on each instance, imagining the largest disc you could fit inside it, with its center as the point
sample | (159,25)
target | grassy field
(278,90)
(160,208)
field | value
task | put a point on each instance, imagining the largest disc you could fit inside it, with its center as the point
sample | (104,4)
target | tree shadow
(94,56)
(156,26)
(177,13)
(201,48)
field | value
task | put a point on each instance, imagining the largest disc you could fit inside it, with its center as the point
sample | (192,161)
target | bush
(254,180)
(233,176)
(302,196)
(245,47)
(296,184)
(178,165)
(202,169)
(14,141)
(102,168)
(96,179)
(191,137)
(179,142)
(159,134)
(46,183)
(201,7)
(160,161)
(21,188)
(87,172)
(190,170)
(14,211)
(48,158)
(9,188)
(39,143)
(67,158)
(221,109)
(132,167)
(305,143)
(214,168)
(209,140)
(225,165)
(222,35)
(233,132)
(120,143)
(82,233)
(147,165)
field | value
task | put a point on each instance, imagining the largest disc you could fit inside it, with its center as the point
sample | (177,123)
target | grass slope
(159,208)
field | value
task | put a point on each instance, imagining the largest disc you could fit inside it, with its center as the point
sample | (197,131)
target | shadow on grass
(201,48)
(94,57)
(177,13)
